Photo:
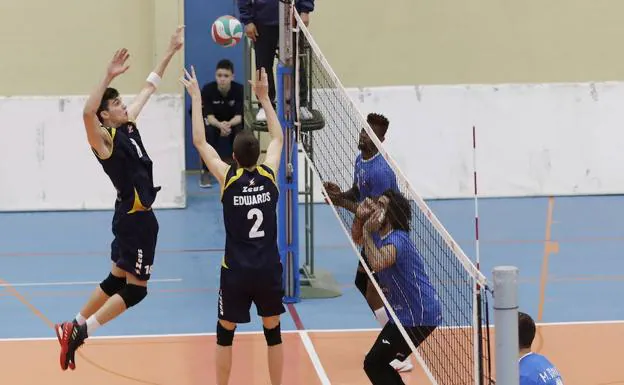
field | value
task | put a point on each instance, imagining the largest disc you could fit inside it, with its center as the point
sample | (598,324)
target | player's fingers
(193,71)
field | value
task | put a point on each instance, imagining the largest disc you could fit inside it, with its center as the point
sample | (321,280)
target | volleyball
(227,31)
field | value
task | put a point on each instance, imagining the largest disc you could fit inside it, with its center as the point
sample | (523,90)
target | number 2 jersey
(249,201)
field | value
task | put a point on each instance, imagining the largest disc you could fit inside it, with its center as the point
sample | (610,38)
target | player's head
(398,210)
(246,149)
(379,124)
(112,111)
(224,74)
(526,330)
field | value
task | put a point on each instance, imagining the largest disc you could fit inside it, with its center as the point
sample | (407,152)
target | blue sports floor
(55,259)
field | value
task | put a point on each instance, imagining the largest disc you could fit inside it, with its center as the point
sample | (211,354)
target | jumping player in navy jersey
(372,176)
(402,277)
(251,270)
(535,369)
(116,142)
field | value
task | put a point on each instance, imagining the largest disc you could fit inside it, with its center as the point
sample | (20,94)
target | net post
(288,220)
(506,324)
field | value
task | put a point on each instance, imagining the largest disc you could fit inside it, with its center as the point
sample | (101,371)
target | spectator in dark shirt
(223,114)
(261,20)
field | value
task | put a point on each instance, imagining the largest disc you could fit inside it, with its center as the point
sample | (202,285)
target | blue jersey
(535,369)
(406,284)
(373,176)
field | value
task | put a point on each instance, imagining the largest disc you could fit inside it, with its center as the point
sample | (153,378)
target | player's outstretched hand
(177,39)
(374,222)
(332,190)
(191,84)
(118,64)
(365,209)
(260,86)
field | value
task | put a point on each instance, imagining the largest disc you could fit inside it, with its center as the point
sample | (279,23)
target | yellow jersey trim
(111,135)
(233,178)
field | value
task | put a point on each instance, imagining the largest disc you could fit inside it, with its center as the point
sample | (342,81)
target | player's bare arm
(274,150)
(363,212)
(347,199)
(97,136)
(209,155)
(153,80)
(378,258)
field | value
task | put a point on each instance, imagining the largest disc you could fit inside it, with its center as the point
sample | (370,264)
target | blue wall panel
(204,54)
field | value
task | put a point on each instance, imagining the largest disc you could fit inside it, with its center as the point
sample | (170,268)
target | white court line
(77,283)
(316,360)
(320,331)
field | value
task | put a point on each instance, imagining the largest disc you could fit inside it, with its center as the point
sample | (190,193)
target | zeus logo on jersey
(252,200)
(248,189)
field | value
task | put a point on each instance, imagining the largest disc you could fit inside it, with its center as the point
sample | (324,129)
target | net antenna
(450,354)
(482,377)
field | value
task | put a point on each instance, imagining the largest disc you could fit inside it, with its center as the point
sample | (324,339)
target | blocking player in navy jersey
(535,369)
(372,176)
(116,142)
(401,275)
(251,270)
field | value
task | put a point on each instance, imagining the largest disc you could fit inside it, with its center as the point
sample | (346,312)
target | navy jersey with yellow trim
(250,215)
(129,168)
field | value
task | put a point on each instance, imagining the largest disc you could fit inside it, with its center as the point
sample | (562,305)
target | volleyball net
(457,352)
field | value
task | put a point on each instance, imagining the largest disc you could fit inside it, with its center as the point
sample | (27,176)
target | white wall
(46,162)
(532,140)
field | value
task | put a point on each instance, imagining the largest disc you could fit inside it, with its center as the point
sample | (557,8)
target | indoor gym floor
(50,263)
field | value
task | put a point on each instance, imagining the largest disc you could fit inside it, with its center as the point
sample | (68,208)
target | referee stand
(310,281)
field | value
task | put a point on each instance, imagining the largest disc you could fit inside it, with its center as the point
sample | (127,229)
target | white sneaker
(261,116)
(402,366)
(305,114)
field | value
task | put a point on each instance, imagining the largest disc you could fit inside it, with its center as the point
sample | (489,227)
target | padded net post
(288,237)
(451,354)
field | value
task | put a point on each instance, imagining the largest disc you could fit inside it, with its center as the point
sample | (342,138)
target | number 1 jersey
(249,201)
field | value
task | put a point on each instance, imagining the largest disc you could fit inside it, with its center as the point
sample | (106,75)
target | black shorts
(367,265)
(134,245)
(239,288)
(391,344)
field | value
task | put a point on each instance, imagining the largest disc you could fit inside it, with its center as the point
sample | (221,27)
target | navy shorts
(134,245)
(239,288)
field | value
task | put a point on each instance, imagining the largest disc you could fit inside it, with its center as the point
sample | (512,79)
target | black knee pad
(112,285)
(224,337)
(133,294)
(273,336)
(361,281)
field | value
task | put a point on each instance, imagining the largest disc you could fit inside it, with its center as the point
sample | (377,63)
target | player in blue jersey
(372,175)
(251,270)
(402,278)
(535,369)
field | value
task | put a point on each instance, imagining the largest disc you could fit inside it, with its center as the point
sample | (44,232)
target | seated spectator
(222,101)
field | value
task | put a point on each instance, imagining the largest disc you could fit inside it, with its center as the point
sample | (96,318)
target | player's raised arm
(95,133)
(378,258)
(274,150)
(154,78)
(211,158)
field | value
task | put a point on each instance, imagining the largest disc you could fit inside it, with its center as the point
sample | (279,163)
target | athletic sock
(80,319)
(382,316)
(92,325)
